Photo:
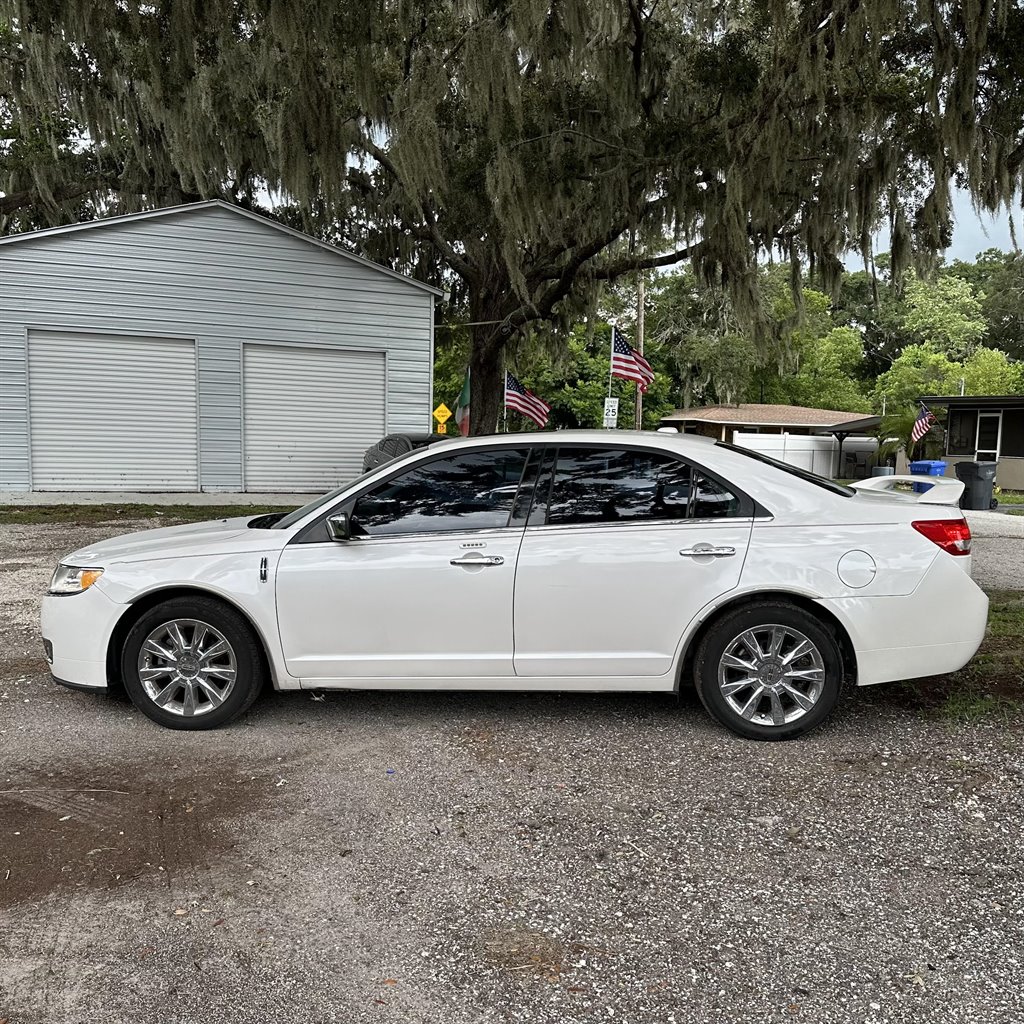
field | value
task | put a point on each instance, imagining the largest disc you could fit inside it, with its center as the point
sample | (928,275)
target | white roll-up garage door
(111,413)
(310,413)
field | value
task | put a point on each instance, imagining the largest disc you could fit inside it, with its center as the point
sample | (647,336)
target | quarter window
(608,485)
(711,500)
(472,491)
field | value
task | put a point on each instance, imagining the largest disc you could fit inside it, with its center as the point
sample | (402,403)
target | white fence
(817,453)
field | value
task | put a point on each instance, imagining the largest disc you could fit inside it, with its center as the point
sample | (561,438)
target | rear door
(624,548)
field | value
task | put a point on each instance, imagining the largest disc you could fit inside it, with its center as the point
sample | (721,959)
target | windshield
(803,474)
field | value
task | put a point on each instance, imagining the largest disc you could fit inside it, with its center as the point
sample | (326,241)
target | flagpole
(611,356)
(504,404)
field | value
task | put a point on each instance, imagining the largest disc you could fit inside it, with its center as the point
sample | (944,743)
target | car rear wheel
(192,663)
(769,671)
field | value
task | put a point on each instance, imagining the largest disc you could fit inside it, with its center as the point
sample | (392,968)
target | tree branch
(61,194)
(609,273)
(458,263)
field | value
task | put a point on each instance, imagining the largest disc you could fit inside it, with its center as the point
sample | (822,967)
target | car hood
(219,535)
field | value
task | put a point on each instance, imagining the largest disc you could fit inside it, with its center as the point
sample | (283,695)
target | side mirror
(339,526)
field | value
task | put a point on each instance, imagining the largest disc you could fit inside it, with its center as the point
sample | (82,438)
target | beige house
(984,429)
(722,421)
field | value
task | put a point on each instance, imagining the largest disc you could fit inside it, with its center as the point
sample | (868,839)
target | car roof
(602,437)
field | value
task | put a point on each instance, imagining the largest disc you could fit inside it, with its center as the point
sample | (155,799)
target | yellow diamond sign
(442,413)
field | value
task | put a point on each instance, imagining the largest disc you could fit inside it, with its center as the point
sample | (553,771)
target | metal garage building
(201,347)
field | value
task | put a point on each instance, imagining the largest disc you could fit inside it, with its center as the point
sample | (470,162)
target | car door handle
(706,550)
(478,560)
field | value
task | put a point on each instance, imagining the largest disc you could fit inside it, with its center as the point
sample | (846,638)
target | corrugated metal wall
(222,279)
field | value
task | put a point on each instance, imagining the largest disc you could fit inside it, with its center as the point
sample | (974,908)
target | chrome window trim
(468,531)
(650,523)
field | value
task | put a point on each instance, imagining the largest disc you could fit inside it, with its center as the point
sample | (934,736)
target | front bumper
(77,628)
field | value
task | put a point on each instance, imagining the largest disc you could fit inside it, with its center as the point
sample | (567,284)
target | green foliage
(825,377)
(945,313)
(694,324)
(923,370)
(919,370)
(999,278)
(573,381)
(526,153)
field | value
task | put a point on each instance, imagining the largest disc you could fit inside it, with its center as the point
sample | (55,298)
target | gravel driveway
(998,549)
(472,858)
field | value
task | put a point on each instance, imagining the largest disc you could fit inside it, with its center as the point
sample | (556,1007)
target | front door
(423,590)
(989,424)
(633,543)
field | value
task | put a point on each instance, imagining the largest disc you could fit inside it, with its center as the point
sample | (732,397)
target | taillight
(952,535)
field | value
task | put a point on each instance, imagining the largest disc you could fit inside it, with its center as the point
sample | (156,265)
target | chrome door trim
(476,560)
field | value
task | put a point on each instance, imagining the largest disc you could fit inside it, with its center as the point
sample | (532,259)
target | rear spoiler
(941,491)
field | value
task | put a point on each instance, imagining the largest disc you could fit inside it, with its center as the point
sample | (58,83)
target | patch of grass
(972,706)
(89,515)
(990,687)
(993,683)
(1015,512)
(1010,497)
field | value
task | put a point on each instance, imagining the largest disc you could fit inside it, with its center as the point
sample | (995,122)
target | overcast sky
(971,234)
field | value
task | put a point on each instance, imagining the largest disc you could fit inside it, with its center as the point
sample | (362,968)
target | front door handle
(707,550)
(475,560)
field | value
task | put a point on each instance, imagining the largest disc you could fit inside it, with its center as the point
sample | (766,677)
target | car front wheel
(192,663)
(769,671)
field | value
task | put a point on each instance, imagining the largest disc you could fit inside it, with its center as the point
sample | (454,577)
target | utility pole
(638,417)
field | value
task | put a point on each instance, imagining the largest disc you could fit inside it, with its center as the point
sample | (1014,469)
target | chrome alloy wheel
(771,675)
(187,667)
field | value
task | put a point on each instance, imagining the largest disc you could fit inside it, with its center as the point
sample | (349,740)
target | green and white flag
(462,409)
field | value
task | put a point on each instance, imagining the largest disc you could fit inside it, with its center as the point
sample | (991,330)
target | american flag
(922,424)
(628,363)
(525,401)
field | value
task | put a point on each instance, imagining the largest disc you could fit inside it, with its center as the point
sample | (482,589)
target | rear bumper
(935,630)
(78,628)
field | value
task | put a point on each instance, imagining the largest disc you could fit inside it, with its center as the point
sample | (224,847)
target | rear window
(802,474)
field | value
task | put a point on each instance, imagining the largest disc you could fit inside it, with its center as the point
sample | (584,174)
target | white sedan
(564,561)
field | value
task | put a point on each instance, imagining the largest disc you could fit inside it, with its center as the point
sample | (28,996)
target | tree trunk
(487,386)
(488,308)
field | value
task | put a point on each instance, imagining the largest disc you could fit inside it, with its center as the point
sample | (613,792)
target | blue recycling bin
(926,467)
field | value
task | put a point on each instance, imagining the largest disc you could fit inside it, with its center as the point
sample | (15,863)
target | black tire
(727,630)
(245,650)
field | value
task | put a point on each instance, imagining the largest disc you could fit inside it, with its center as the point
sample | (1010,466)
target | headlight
(73,579)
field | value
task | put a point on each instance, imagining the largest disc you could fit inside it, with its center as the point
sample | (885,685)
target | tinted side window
(471,491)
(608,485)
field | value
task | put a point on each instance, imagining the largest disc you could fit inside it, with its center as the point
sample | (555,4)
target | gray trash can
(978,478)
(882,471)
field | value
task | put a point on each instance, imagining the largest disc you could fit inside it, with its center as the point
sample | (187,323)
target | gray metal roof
(103,222)
(975,401)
